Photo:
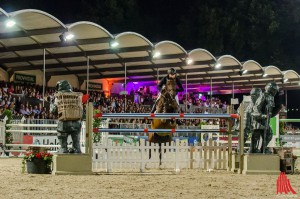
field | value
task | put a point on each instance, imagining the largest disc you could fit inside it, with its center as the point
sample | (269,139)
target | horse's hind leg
(149,151)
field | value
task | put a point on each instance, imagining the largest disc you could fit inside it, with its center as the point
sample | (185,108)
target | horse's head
(168,102)
(171,87)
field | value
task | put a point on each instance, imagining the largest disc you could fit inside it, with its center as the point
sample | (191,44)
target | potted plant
(37,162)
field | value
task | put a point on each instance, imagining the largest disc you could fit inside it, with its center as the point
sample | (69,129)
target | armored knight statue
(255,93)
(67,123)
(264,108)
(248,109)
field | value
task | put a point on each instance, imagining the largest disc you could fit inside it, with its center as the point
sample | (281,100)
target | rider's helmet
(171,71)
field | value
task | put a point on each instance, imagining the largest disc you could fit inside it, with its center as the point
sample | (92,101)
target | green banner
(95,86)
(31,79)
(273,125)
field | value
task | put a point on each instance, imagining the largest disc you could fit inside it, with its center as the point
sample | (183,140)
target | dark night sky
(191,24)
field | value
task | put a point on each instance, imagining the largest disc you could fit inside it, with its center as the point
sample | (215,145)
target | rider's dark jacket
(163,82)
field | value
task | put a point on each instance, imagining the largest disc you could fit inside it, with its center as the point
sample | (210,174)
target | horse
(166,104)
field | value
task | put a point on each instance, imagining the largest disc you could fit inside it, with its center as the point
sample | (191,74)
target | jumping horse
(166,104)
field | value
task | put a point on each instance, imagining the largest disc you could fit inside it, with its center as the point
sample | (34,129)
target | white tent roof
(21,49)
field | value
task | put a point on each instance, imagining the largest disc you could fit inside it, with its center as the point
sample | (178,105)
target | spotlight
(265,75)
(66,37)
(156,54)
(242,72)
(285,80)
(189,61)
(114,44)
(69,36)
(10,23)
(218,65)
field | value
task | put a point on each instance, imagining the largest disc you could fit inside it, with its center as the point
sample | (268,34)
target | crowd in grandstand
(27,100)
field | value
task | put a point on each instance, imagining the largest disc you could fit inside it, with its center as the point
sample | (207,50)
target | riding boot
(154,107)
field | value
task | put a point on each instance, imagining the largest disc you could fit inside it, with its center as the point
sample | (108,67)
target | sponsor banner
(31,79)
(290,138)
(95,86)
(210,127)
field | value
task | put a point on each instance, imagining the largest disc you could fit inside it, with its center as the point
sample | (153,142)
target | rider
(163,82)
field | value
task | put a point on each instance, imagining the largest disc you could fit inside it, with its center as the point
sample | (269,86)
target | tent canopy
(21,49)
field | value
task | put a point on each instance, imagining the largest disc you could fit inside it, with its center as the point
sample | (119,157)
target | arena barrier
(115,157)
(110,156)
(33,133)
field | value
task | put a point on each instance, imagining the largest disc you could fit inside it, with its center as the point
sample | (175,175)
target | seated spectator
(35,110)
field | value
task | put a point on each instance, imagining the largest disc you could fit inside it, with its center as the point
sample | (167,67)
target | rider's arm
(180,87)
(162,82)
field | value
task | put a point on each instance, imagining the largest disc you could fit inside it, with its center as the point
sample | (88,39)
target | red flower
(38,156)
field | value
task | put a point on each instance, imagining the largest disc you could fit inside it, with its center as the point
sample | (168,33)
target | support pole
(157,76)
(44,75)
(210,95)
(125,93)
(286,98)
(241,138)
(89,128)
(229,122)
(87,75)
(186,92)
(232,90)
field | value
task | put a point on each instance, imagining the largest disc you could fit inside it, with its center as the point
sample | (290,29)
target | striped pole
(158,130)
(289,120)
(164,115)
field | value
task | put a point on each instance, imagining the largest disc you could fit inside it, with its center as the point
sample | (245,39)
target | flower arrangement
(8,135)
(96,125)
(34,156)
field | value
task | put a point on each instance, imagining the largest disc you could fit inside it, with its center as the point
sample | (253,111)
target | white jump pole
(163,115)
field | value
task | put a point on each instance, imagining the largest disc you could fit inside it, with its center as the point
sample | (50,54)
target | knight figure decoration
(263,106)
(68,108)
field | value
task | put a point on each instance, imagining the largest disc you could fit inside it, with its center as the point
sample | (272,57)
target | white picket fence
(112,157)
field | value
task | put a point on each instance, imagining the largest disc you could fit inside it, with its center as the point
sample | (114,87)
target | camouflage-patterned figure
(66,128)
(248,107)
(255,93)
(265,107)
